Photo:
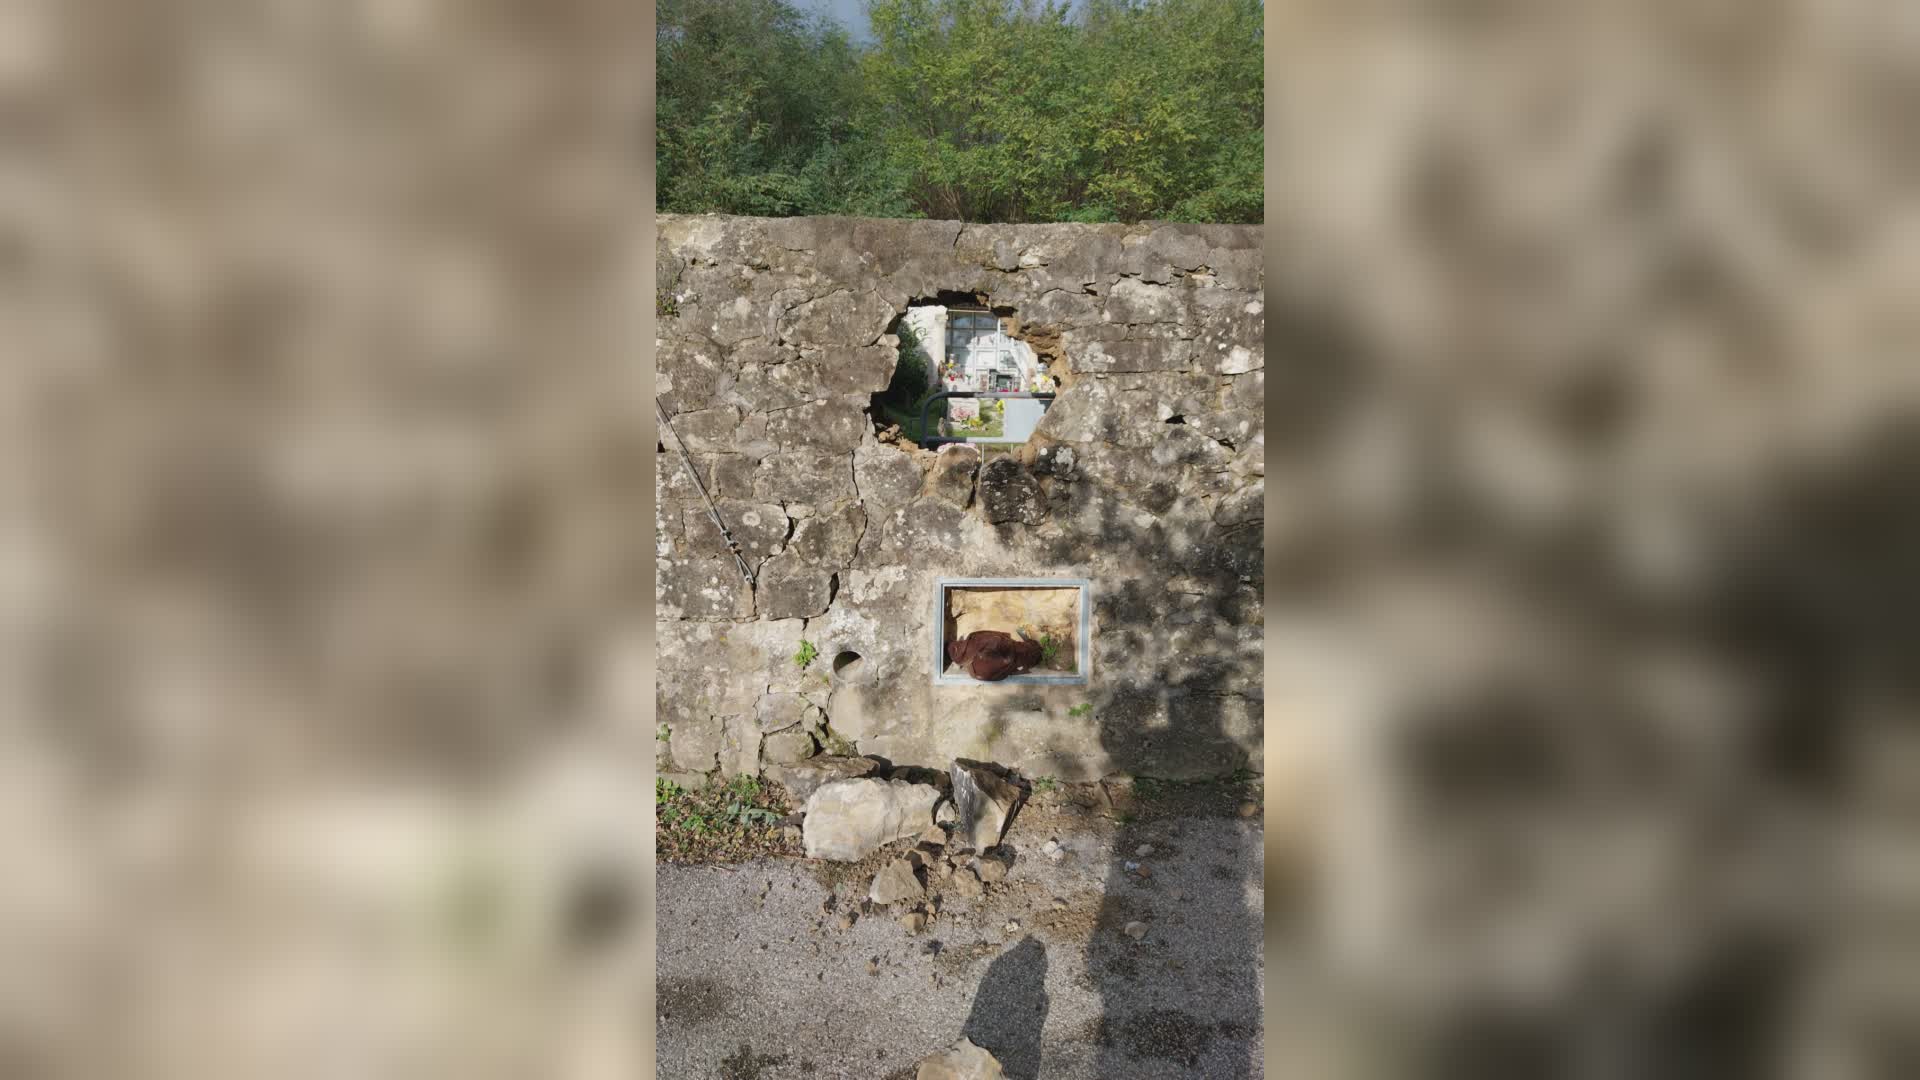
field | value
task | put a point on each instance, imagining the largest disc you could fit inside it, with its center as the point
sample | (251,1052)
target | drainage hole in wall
(846,666)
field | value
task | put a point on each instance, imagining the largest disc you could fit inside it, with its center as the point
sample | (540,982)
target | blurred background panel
(1595,423)
(324,577)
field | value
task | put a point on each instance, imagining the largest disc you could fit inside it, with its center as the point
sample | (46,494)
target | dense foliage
(977,110)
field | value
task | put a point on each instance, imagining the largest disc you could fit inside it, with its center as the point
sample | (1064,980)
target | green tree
(980,110)
(1000,110)
(756,113)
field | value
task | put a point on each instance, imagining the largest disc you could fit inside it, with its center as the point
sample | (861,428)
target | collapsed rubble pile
(956,820)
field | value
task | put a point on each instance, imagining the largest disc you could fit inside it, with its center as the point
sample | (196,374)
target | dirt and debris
(784,928)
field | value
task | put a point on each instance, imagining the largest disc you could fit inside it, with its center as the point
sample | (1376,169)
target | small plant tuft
(720,822)
(1081,709)
(806,654)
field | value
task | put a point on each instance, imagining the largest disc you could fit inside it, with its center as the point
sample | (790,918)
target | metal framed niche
(1034,605)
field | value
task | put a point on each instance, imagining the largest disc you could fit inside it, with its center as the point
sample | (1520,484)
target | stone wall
(1146,478)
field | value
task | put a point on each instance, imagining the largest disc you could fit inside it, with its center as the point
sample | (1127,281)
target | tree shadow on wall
(1185,998)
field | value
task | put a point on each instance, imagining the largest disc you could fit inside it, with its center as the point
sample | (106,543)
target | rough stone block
(701,589)
(740,746)
(951,478)
(803,778)
(983,802)
(759,528)
(830,538)
(845,317)
(834,424)
(886,476)
(787,746)
(847,820)
(778,712)
(695,744)
(962,1061)
(1172,354)
(706,431)
(806,477)
(1008,493)
(790,589)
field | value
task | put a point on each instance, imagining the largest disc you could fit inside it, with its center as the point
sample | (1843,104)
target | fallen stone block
(847,820)
(983,802)
(896,883)
(964,1061)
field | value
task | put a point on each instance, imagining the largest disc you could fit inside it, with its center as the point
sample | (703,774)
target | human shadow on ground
(1010,1009)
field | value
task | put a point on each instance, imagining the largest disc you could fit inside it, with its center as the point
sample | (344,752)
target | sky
(848,13)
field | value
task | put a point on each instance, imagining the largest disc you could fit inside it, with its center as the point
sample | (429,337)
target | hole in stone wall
(1176,419)
(847,666)
(960,343)
(1047,622)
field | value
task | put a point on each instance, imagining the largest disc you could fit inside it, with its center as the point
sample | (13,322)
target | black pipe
(928,442)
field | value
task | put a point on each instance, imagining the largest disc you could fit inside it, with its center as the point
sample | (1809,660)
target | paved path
(755,983)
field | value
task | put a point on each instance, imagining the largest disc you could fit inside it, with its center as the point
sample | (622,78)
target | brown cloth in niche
(991,655)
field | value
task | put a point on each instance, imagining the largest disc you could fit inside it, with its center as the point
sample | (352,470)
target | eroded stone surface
(802,779)
(984,802)
(954,469)
(1008,493)
(848,820)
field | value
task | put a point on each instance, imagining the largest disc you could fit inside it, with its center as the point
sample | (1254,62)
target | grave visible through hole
(957,342)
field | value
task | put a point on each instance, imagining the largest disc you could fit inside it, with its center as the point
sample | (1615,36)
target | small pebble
(1013,926)
(1143,850)
(1248,809)
(1136,930)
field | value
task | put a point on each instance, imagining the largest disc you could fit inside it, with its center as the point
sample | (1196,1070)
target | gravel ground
(756,983)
